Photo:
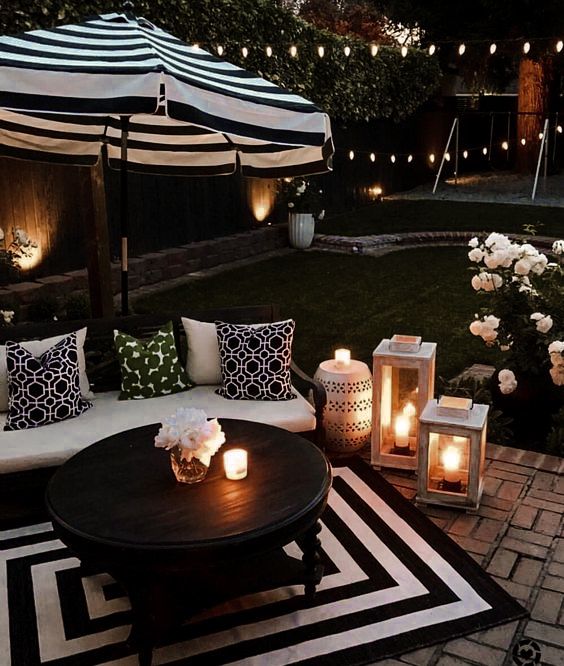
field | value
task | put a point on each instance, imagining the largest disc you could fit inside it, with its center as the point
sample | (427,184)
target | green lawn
(428,215)
(354,301)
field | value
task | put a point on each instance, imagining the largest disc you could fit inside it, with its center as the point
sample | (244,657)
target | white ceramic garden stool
(347,416)
(301,227)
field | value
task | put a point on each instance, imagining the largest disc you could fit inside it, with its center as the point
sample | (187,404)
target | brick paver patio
(517,537)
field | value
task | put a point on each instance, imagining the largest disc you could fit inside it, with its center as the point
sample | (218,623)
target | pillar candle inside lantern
(342,358)
(235,464)
(451,463)
(402,431)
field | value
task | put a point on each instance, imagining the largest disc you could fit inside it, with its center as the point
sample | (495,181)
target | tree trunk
(536,85)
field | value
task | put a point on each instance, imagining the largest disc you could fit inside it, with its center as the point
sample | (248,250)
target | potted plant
(303,200)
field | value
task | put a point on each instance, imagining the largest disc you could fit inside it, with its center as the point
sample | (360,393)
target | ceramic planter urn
(301,227)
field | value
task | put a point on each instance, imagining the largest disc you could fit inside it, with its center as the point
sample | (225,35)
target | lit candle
(451,463)
(409,409)
(402,431)
(342,358)
(235,464)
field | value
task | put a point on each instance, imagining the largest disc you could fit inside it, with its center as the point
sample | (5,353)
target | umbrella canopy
(63,92)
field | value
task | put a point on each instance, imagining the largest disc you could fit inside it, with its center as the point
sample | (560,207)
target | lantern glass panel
(398,410)
(449,463)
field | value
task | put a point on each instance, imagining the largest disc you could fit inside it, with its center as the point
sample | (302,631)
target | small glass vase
(186,471)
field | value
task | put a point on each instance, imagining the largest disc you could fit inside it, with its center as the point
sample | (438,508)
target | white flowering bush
(193,433)
(300,195)
(522,292)
(20,247)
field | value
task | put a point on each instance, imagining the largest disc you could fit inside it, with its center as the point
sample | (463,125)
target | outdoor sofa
(34,453)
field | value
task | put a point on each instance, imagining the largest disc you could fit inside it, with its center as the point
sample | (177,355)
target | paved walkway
(517,537)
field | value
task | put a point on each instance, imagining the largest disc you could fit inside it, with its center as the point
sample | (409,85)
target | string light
(269,51)
(373,49)
(461,49)
(432,158)
(351,155)
(465,154)
(484,151)
(559,129)
(410,158)
(195,45)
(220,50)
(523,141)
(393,159)
(347,51)
(432,49)
(559,45)
(245,51)
(293,51)
(372,157)
(447,157)
(321,51)
(541,135)
(403,51)
(526,47)
(505,145)
(493,48)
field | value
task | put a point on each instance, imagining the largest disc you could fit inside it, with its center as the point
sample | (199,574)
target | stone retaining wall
(154,267)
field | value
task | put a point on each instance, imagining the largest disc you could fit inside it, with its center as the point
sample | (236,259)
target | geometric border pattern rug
(394,582)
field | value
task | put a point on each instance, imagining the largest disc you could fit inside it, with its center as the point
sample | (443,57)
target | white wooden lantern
(403,382)
(452,451)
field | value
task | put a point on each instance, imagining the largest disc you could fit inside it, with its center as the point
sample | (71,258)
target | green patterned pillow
(151,368)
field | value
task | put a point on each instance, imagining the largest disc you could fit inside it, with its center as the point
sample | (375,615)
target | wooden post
(98,246)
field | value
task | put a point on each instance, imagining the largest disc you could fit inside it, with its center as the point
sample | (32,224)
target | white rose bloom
(474,242)
(497,280)
(476,282)
(301,189)
(557,375)
(504,348)
(536,316)
(522,267)
(528,250)
(492,321)
(506,375)
(492,260)
(476,327)
(556,346)
(488,334)
(508,388)
(557,246)
(476,255)
(497,241)
(540,264)
(545,324)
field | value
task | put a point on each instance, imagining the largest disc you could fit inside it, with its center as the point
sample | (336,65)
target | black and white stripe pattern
(393,583)
(62,92)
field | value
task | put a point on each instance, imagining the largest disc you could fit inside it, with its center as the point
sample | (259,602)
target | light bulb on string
(559,45)
(559,129)
(484,151)
(523,141)
(321,51)
(269,51)
(293,50)
(347,51)
(447,157)
(245,51)
(195,45)
(526,47)
(409,158)
(461,49)
(373,49)
(465,154)
(432,49)
(541,136)
(403,51)
(351,155)
(493,48)
(372,157)
(432,158)
(220,50)
(505,145)
(393,159)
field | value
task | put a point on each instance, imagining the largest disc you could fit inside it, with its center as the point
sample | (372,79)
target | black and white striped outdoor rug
(393,583)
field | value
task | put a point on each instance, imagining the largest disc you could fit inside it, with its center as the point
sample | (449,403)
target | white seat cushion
(51,445)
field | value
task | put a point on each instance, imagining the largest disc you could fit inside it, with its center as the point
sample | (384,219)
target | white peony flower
(497,241)
(7,316)
(522,267)
(557,375)
(492,321)
(540,264)
(556,347)
(476,327)
(557,246)
(476,255)
(473,242)
(545,324)
(488,334)
(507,381)
(190,429)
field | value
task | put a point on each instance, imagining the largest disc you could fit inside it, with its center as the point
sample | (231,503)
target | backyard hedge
(358,87)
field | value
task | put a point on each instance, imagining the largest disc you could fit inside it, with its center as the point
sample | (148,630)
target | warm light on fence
(261,195)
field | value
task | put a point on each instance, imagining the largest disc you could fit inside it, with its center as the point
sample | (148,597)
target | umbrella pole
(124,218)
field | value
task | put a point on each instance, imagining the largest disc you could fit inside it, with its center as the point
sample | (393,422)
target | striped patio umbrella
(159,105)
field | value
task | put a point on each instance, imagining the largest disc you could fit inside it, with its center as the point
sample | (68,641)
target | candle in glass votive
(235,464)
(342,358)
(451,463)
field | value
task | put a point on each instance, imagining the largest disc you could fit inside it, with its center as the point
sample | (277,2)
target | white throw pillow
(38,347)
(202,356)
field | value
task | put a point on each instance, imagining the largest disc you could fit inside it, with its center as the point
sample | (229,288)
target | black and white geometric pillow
(255,360)
(45,389)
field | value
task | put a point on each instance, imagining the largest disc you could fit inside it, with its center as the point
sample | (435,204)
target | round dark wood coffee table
(176,548)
